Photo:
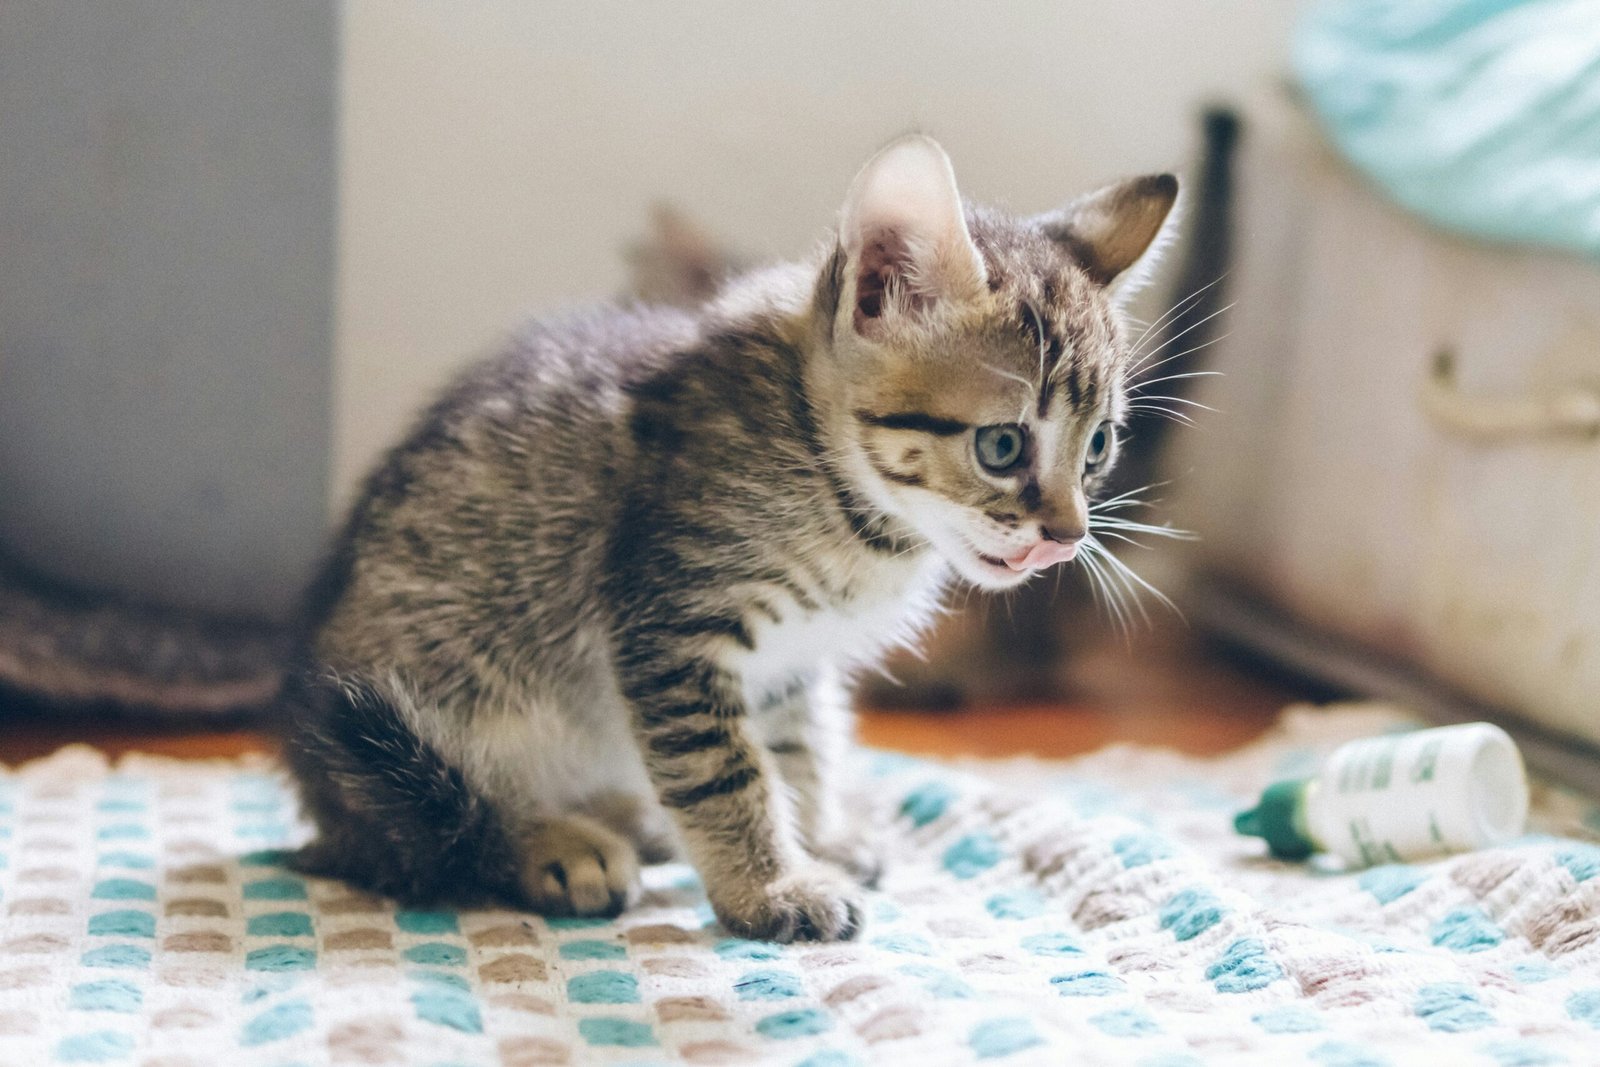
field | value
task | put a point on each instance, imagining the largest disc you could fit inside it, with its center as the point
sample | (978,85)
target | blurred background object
(1404,495)
(1480,117)
(168,200)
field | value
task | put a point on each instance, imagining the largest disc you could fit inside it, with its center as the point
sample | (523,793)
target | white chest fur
(890,608)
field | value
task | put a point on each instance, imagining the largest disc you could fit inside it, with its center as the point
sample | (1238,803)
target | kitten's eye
(1099,446)
(1000,447)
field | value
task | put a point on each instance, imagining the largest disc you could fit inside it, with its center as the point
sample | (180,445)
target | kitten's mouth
(999,566)
(992,572)
(1046,554)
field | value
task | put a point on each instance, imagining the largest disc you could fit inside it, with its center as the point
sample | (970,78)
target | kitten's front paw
(854,854)
(815,903)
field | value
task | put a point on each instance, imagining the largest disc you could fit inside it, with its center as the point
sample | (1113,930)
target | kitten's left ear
(904,235)
(1113,230)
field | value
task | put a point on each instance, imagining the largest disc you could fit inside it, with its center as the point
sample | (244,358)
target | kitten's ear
(904,236)
(1112,229)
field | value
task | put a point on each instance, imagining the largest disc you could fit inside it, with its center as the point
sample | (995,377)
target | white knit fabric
(1097,911)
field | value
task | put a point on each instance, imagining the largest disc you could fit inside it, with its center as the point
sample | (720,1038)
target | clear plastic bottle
(1400,797)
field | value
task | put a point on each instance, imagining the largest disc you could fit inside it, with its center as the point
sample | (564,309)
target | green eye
(1000,448)
(1099,446)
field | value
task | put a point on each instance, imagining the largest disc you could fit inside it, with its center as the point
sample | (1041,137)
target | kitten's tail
(70,650)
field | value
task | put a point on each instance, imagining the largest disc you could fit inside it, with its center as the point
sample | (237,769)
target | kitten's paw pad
(576,867)
(817,904)
(855,855)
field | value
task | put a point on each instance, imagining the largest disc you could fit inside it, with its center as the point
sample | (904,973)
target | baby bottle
(1399,797)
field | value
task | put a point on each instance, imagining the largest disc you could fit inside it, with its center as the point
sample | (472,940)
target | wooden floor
(1166,689)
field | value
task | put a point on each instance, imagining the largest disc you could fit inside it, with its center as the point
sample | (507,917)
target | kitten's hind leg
(573,865)
(392,815)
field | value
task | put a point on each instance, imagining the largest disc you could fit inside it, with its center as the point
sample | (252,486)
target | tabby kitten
(601,604)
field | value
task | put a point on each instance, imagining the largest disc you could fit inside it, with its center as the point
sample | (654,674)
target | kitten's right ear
(1112,229)
(904,237)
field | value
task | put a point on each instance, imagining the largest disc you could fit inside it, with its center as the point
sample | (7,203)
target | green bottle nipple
(1280,818)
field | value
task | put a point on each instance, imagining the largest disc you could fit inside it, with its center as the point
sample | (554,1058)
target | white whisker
(1119,573)
(1175,416)
(1175,309)
(1171,533)
(1131,496)
(1007,374)
(1104,532)
(1105,508)
(1120,595)
(1107,522)
(1128,574)
(1178,400)
(1110,508)
(1038,331)
(1138,387)
(1105,595)
(1207,343)
(1145,357)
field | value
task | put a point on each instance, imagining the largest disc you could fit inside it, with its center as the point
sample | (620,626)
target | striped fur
(605,596)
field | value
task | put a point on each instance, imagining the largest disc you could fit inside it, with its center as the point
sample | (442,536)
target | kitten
(602,603)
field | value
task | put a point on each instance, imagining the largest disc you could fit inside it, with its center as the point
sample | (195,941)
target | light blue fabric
(1481,115)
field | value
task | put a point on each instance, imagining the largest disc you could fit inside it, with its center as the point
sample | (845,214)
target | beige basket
(1408,446)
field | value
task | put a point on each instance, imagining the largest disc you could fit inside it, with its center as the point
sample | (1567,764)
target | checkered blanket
(1098,911)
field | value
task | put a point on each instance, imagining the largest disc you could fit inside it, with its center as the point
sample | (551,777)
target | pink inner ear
(883,259)
(879,263)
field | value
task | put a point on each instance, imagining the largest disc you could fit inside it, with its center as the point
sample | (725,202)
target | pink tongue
(1044,554)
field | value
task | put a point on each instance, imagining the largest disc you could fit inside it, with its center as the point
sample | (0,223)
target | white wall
(167,174)
(498,154)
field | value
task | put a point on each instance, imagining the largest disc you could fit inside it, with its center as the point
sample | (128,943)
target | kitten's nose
(1062,528)
(1062,534)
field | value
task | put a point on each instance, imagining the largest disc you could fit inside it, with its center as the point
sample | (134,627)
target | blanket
(1483,116)
(1095,911)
